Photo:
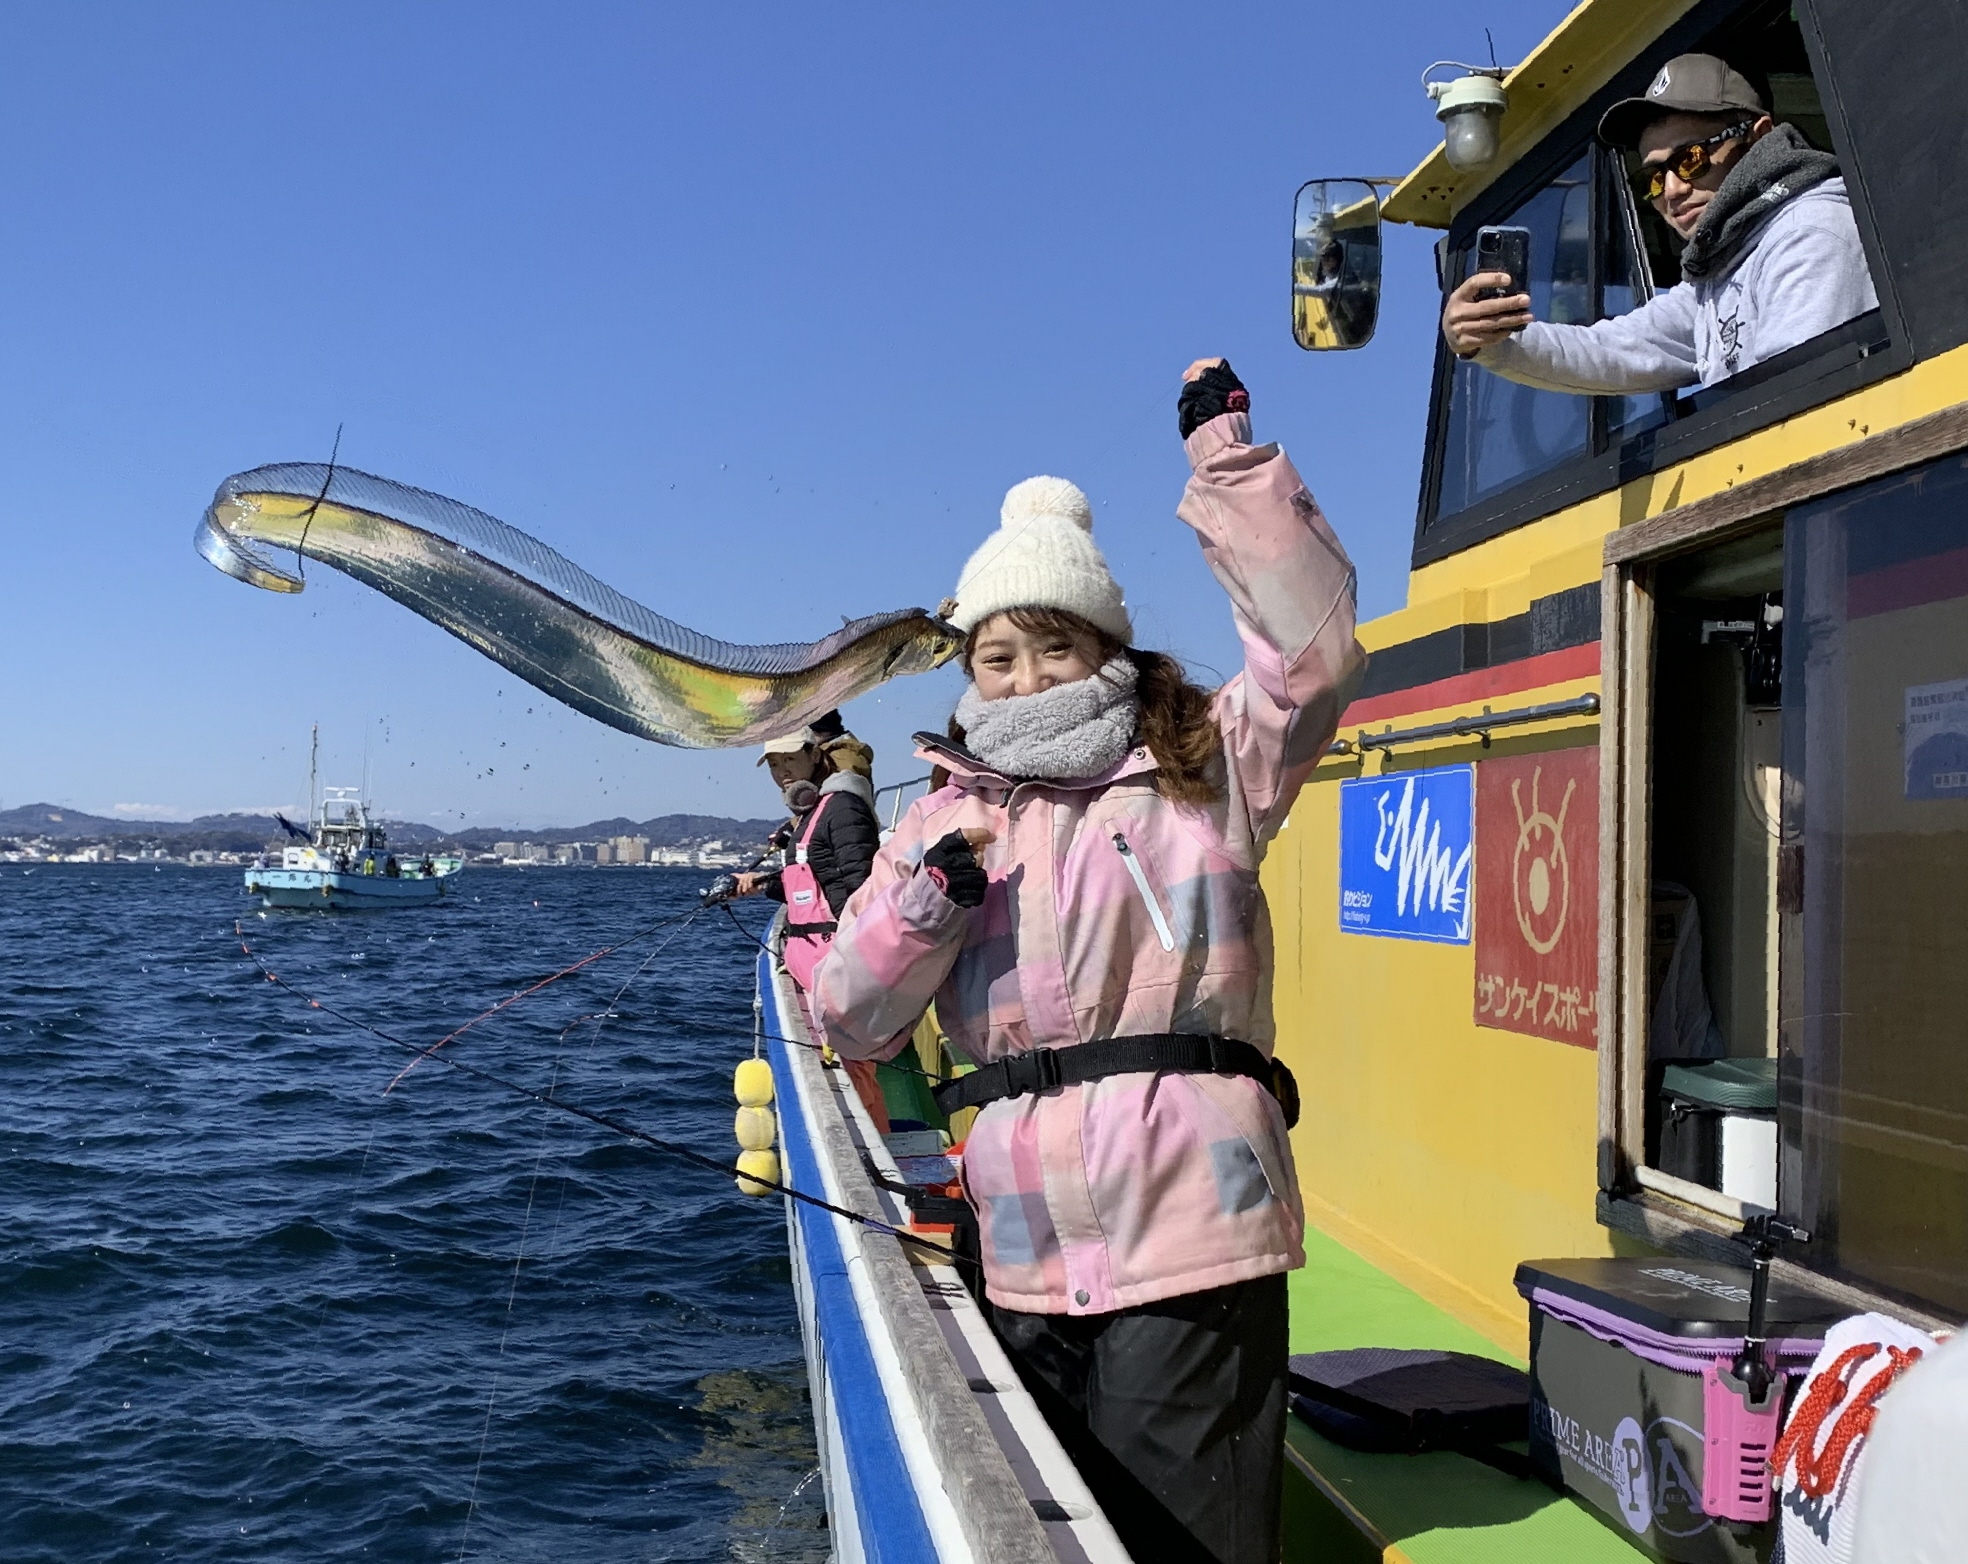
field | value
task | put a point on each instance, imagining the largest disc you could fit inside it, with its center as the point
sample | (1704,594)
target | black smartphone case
(1502,249)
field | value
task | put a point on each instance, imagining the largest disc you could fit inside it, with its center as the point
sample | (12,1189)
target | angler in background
(830,844)
(841,749)
(1081,901)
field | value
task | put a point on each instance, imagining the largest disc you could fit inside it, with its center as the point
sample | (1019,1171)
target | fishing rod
(722,891)
(607,1121)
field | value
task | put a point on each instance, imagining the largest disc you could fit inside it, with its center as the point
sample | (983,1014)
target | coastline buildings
(39,834)
(504,855)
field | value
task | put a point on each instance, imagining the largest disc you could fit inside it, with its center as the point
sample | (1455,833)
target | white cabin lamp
(1471,110)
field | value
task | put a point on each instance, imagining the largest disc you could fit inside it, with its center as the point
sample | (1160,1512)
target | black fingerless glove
(1215,391)
(956,871)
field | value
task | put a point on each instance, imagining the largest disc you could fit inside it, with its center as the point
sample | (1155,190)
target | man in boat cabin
(824,775)
(1080,900)
(1770,255)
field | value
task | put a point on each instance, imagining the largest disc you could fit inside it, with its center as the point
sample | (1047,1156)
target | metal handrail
(1461,727)
(898,789)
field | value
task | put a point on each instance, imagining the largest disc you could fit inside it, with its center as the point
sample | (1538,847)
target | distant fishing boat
(348,863)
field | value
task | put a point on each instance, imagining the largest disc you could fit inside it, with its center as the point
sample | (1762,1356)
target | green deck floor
(1411,1509)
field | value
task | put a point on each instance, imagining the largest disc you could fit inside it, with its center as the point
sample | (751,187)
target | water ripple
(251,1307)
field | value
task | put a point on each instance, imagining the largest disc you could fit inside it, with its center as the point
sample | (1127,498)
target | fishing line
(738,924)
(552,978)
(505,1329)
(601,1018)
(801,1042)
(607,1121)
(354,1200)
(526,1224)
(1108,449)
(300,563)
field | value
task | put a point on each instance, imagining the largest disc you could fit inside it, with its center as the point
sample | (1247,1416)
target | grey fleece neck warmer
(800,796)
(1065,734)
(1782,165)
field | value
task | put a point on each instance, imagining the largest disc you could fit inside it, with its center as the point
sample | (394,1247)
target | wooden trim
(1680,1229)
(1612,716)
(1717,515)
(1635,899)
(1713,1201)
(1342,1503)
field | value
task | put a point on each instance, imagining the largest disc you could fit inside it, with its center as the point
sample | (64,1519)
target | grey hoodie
(1802,273)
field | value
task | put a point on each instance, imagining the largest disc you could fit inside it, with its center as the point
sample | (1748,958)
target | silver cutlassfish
(544,618)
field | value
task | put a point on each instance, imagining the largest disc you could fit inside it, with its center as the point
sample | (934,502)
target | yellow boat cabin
(1626,910)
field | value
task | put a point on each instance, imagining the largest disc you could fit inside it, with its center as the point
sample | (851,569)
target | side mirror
(1335,264)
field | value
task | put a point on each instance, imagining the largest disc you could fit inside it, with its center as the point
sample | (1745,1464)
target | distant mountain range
(241,833)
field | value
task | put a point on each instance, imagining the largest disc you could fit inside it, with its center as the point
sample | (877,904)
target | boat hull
(314,888)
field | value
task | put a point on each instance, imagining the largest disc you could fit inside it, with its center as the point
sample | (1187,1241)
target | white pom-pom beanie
(1042,556)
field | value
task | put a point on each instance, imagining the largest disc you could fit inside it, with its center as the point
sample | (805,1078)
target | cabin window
(1500,433)
(1707,922)
(1873,880)
(1794,964)
(1632,278)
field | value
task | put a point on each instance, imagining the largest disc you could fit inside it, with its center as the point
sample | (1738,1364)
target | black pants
(1175,1414)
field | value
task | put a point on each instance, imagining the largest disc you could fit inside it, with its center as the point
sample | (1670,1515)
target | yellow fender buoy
(753,1083)
(756,1128)
(758,1165)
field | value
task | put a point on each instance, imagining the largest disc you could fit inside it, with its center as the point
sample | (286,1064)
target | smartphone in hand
(1502,249)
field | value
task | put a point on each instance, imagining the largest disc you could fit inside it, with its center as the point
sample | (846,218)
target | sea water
(254,1307)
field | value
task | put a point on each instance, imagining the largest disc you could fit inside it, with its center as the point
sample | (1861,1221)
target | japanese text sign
(1537,899)
(1937,740)
(1405,840)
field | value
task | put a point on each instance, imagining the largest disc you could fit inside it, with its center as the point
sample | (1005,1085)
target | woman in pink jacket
(1081,902)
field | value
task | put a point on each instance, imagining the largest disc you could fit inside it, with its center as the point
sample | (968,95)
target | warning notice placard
(1537,895)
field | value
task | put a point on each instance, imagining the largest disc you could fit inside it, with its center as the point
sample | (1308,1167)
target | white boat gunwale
(930,1446)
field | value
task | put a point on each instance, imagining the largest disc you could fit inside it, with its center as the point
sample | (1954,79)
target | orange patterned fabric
(1818,1474)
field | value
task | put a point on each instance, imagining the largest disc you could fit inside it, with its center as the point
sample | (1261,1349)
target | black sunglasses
(1687,162)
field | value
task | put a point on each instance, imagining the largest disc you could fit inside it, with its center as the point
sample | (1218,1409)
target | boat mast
(314,750)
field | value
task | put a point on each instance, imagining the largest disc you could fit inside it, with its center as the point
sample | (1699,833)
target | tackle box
(1619,1352)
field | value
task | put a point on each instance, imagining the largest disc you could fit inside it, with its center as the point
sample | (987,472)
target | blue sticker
(1406,843)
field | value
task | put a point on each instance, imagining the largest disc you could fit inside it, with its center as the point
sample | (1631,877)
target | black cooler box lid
(1679,1297)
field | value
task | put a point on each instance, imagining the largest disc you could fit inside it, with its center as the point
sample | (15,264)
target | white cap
(1042,556)
(791,744)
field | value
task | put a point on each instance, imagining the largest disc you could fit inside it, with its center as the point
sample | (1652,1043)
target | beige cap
(791,744)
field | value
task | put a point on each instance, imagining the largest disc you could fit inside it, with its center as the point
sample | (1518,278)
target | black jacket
(842,852)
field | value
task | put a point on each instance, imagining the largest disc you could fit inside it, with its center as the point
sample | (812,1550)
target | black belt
(809,930)
(1186,1053)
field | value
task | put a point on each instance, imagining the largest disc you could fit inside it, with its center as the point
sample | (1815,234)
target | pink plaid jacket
(1113,912)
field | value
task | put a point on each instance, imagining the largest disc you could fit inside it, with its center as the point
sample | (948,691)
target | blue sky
(754,311)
